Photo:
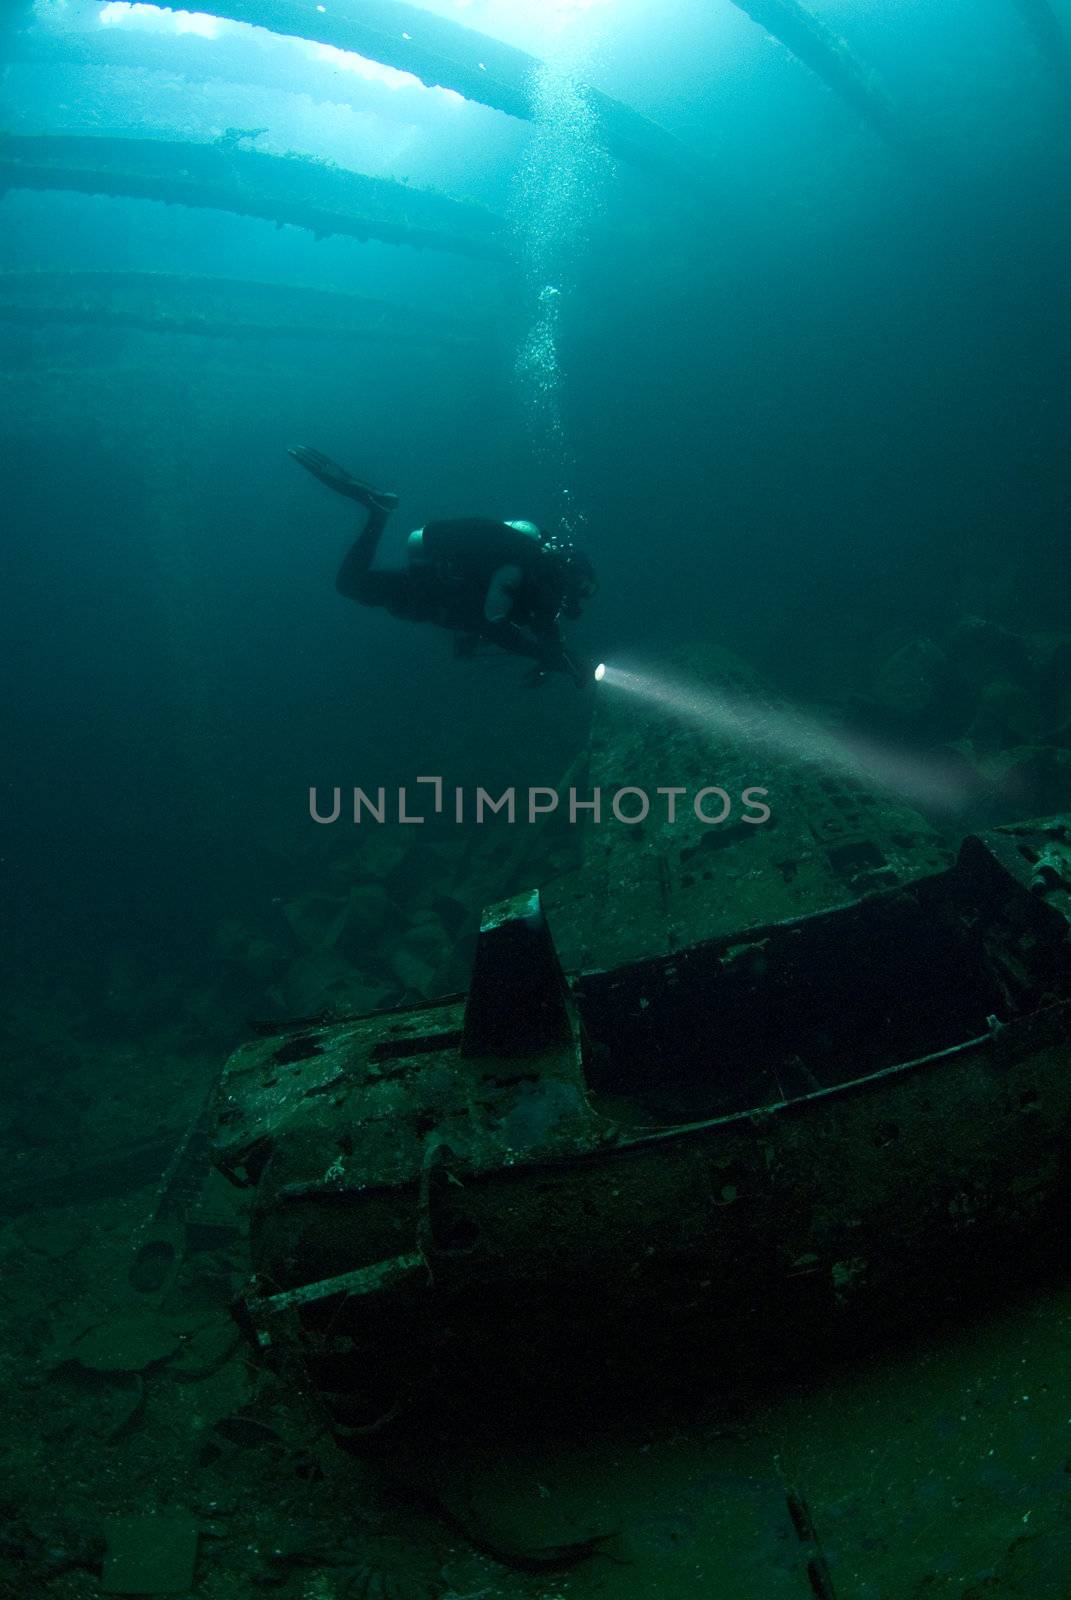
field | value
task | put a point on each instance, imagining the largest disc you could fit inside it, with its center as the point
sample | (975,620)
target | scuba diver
(506,583)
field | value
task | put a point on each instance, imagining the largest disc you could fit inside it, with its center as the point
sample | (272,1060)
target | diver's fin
(335,477)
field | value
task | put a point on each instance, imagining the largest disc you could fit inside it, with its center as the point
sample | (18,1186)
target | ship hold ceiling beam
(198,60)
(830,59)
(281,189)
(445,55)
(1048,32)
(167,302)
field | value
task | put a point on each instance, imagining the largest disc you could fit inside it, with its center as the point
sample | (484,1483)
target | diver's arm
(555,657)
(509,637)
(546,650)
(501,593)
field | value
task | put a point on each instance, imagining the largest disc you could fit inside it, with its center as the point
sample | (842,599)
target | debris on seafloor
(496,1503)
(150,1554)
(127,1343)
(819,1576)
(107,1405)
(526,1557)
(160,1243)
(119,1171)
(205,1349)
(368,1582)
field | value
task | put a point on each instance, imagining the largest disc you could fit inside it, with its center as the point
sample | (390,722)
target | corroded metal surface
(706,1160)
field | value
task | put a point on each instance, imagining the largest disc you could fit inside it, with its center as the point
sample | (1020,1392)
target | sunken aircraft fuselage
(733,1150)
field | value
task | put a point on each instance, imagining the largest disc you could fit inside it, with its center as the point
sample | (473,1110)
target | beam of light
(376,72)
(162,19)
(488,12)
(118,12)
(794,735)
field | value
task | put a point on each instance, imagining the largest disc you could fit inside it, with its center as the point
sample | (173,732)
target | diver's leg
(355,579)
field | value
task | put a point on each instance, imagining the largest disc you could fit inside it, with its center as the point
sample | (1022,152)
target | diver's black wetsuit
(478,577)
(453,573)
(357,581)
(468,568)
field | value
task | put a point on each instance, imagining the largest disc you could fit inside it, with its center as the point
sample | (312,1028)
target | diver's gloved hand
(343,482)
(579,668)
